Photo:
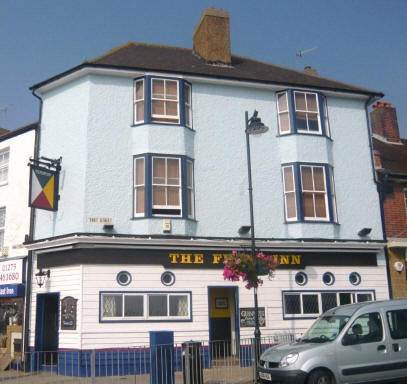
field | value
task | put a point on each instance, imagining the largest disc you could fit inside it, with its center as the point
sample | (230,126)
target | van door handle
(381,348)
(396,347)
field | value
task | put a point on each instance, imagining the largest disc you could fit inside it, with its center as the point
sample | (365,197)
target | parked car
(365,342)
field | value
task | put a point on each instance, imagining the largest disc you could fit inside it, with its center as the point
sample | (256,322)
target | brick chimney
(310,71)
(212,36)
(384,121)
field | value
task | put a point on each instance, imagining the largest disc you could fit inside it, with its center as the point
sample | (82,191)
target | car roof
(350,309)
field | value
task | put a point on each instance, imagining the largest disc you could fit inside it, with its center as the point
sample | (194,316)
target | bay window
(163,186)
(302,112)
(162,101)
(309,192)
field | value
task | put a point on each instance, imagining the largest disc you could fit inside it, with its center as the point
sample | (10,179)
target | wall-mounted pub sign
(68,313)
(44,176)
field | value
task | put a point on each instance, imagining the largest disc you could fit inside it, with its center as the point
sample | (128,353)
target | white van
(356,343)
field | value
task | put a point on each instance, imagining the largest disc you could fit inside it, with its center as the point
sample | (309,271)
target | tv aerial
(304,51)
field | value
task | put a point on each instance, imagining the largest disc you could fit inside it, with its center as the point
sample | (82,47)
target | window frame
(145,318)
(289,192)
(149,117)
(4,165)
(405,200)
(166,187)
(329,194)
(322,113)
(176,118)
(302,315)
(139,101)
(148,188)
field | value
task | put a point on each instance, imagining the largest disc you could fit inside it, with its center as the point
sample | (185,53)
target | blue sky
(362,42)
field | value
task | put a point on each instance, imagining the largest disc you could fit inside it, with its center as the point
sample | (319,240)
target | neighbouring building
(16,149)
(390,153)
(154,190)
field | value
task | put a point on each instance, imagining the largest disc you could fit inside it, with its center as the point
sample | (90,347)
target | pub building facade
(153,192)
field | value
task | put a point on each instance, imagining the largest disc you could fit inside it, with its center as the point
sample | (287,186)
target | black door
(50,329)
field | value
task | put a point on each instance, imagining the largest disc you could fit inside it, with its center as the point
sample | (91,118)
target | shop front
(12,291)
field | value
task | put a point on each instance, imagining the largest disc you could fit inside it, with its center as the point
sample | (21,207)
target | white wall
(14,194)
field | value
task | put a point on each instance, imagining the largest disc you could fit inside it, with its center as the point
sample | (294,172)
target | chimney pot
(310,71)
(212,36)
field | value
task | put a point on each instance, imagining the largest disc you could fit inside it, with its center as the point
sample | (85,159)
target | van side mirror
(350,339)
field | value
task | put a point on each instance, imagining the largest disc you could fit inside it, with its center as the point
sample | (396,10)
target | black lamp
(364,232)
(41,276)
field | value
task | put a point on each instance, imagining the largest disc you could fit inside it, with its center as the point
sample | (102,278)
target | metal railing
(204,362)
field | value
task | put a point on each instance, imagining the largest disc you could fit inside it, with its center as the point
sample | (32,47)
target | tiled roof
(18,131)
(393,155)
(185,61)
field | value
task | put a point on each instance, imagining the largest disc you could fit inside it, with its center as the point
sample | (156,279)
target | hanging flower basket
(242,266)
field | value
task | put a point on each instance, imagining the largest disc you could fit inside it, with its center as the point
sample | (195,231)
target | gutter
(381,197)
(28,288)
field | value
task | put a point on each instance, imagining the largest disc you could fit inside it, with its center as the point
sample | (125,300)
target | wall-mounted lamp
(399,266)
(244,229)
(41,276)
(364,232)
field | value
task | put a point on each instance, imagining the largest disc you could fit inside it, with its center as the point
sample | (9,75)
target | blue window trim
(291,113)
(147,101)
(305,278)
(168,273)
(170,320)
(359,277)
(318,291)
(332,278)
(148,204)
(298,195)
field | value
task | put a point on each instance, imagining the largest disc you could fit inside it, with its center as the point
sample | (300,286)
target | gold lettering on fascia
(218,258)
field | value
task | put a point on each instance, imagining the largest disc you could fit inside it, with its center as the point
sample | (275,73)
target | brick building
(390,152)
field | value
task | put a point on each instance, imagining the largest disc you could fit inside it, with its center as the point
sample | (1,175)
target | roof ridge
(306,74)
(130,43)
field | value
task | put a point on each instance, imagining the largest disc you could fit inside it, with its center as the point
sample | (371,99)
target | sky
(361,42)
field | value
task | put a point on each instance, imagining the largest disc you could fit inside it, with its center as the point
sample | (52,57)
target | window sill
(304,134)
(163,217)
(310,222)
(148,321)
(165,124)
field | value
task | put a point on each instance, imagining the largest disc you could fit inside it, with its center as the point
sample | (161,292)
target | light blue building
(154,189)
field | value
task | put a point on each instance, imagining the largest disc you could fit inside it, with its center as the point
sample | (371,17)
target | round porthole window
(168,278)
(301,278)
(355,278)
(123,278)
(328,278)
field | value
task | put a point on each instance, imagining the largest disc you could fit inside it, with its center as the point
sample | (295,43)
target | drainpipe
(381,197)
(28,285)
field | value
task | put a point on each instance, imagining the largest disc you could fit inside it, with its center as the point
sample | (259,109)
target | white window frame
(138,186)
(138,101)
(287,192)
(283,111)
(146,316)
(4,164)
(188,106)
(166,186)
(314,191)
(190,190)
(2,226)
(326,117)
(306,111)
(175,119)
(353,295)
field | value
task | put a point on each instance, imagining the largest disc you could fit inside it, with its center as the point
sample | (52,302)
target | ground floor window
(11,318)
(145,306)
(300,304)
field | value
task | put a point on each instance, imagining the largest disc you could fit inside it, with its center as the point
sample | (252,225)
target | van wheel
(320,377)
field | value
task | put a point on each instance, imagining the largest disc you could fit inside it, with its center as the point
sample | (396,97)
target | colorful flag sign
(43,188)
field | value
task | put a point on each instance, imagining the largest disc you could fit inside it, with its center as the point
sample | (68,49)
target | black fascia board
(125,68)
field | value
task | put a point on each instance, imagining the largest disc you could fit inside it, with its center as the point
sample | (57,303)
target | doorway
(223,325)
(46,329)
